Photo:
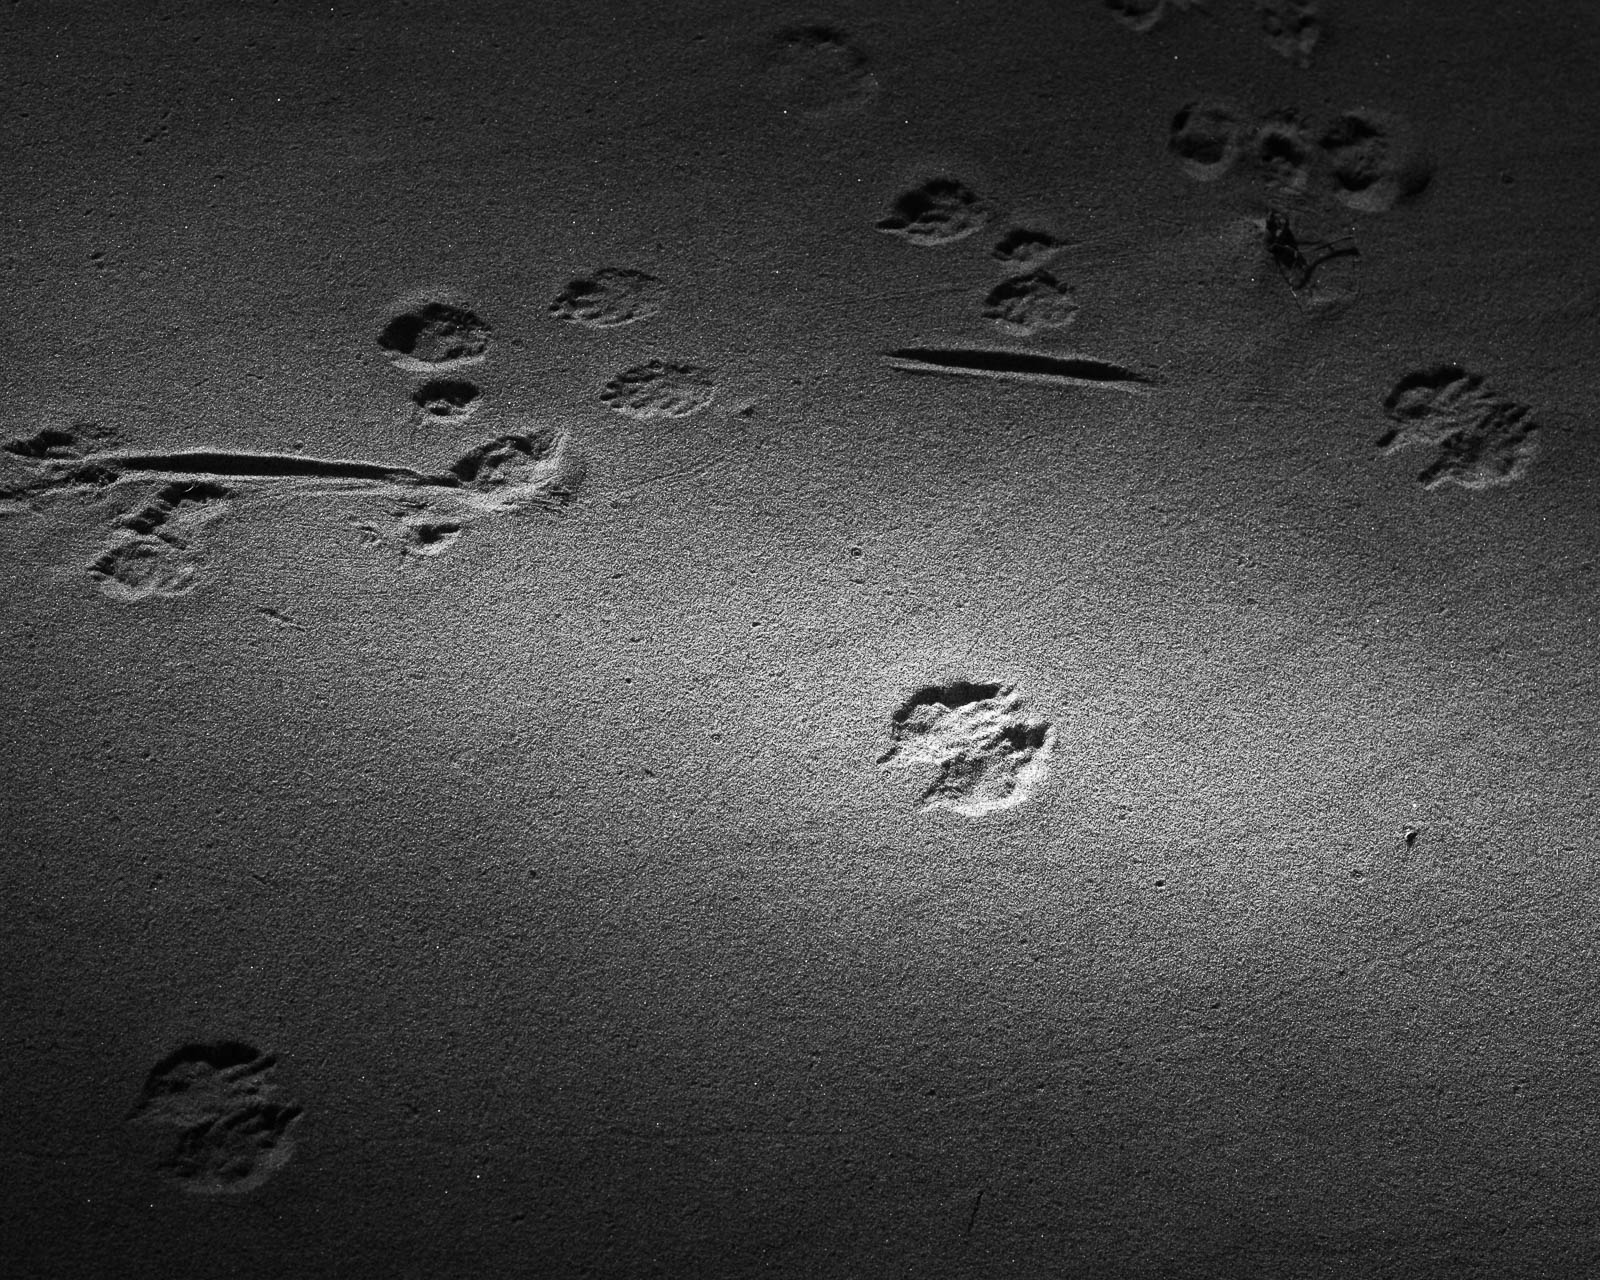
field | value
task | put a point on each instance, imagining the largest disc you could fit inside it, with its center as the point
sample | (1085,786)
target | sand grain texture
(729,640)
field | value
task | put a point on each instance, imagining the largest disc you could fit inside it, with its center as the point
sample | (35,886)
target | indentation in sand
(1481,438)
(986,754)
(940,211)
(660,389)
(222,1123)
(609,298)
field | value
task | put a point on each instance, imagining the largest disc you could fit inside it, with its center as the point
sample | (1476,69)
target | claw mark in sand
(1019,366)
(989,755)
(1482,438)
(219,1122)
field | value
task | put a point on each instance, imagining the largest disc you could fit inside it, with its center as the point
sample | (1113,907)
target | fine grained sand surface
(731,640)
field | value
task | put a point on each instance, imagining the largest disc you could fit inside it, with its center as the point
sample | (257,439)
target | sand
(903,639)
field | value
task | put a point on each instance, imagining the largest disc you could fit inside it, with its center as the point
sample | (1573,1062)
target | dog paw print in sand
(940,211)
(435,333)
(1290,28)
(1367,160)
(1375,159)
(1208,136)
(1146,15)
(1480,438)
(215,1118)
(983,753)
(157,549)
(1022,305)
(1025,249)
(817,70)
(1283,154)
(660,389)
(446,398)
(609,298)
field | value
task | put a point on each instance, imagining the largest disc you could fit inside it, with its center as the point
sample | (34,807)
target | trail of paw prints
(1030,298)
(1368,160)
(983,752)
(217,1120)
(1364,162)
(1290,28)
(437,337)
(1480,438)
(817,70)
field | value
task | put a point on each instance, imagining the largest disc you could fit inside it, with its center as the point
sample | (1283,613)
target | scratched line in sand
(1019,366)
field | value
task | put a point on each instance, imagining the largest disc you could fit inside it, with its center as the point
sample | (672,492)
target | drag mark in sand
(1482,438)
(510,472)
(987,753)
(220,1121)
(1018,366)
(155,550)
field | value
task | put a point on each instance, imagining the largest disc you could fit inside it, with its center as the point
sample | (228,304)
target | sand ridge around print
(937,639)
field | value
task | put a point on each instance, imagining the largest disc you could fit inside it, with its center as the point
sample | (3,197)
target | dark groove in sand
(213,462)
(1022,366)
